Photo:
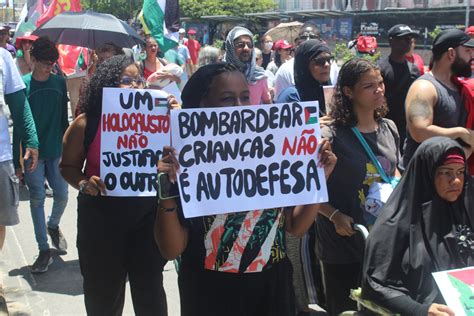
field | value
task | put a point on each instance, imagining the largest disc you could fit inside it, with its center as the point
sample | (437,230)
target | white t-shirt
(12,82)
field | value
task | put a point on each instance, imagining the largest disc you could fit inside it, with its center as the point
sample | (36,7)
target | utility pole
(468,9)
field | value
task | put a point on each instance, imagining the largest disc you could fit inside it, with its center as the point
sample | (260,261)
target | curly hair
(44,50)
(343,110)
(107,75)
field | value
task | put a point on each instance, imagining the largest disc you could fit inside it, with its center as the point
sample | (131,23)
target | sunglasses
(308,36)
(241,45)
(321,61)
(128,81)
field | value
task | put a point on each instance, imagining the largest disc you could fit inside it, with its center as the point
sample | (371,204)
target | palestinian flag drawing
(311,115)
(161,102)
(463,282)
(160,18)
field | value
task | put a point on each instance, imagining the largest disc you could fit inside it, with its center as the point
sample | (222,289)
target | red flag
(73,59)
(59,6)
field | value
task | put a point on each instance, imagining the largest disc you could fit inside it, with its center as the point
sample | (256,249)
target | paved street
(58,291)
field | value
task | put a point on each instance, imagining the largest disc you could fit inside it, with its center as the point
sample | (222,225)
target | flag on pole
(160,18)
(59,6)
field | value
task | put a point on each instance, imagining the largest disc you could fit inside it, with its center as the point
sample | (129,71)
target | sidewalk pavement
(58,291)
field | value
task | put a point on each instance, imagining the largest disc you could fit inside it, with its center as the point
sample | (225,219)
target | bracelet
(168,209)
(333,213)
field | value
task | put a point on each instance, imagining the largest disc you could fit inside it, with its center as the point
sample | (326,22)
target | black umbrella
(88,29)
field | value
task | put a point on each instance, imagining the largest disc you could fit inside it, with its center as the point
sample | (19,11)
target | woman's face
(320,67)
(369,90)
(131,78)
(449,181)
(285,54)
(151,47)
(227,89)
(26,45)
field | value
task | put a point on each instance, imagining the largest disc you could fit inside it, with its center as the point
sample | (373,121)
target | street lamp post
(468,9)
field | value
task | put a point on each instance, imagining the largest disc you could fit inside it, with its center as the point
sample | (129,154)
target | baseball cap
(181,30)
(25,37)
(401,30)
(451,38)
(470,30)
(192,31)
(281,44)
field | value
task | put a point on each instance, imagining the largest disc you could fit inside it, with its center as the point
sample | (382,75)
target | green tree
(197,8)
(123,9)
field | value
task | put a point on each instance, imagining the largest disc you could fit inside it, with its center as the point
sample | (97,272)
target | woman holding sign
(358,106)
(232,264)
(114,234)
(426,226)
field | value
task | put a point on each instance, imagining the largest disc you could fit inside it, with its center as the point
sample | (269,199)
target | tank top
(449,111)
(93,155)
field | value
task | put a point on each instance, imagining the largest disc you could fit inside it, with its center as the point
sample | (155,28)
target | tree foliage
(198,8)
(123,9)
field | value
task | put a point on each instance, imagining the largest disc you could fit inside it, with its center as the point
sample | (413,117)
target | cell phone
(166,189)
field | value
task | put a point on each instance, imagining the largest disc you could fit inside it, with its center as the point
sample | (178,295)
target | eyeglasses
(128,81)
(321,61)
(241,45)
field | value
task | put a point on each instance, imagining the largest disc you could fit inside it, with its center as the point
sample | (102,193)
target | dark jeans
(115,241)
(339,279)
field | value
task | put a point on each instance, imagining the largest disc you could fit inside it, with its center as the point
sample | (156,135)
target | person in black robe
(422,229)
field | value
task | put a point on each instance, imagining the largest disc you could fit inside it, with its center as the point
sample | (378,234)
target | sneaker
(57,238)
(48,191)
(42,262)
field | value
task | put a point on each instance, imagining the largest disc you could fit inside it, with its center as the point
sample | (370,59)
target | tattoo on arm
(419,109)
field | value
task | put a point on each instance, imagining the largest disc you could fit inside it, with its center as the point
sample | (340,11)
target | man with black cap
(436,102)
(398,75)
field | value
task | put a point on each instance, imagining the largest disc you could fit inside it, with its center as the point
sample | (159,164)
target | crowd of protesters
(394,122)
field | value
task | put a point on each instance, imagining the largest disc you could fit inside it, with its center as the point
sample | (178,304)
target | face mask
(268,45)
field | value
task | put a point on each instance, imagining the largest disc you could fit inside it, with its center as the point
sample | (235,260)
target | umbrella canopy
(286,31)
(88,29)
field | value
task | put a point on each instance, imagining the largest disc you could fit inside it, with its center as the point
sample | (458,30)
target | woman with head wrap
(240,53)
(231,264)
(426,226)
(312,70)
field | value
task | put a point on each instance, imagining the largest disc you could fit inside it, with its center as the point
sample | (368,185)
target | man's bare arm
(420,102)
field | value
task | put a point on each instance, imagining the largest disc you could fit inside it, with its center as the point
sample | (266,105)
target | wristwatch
(82,186)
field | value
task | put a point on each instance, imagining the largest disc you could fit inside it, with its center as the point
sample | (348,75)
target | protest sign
(457,288)
(248,157)
(134,128)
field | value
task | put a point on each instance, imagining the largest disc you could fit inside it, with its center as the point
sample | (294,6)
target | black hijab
(198,85)
(309,89)
(415,234)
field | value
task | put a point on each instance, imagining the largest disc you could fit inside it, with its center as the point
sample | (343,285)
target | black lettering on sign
(136,99)
(110,181)
(184,183)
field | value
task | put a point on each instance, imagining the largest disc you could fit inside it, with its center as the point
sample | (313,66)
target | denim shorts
(9,194)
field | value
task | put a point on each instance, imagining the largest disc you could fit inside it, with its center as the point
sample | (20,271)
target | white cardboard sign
(134,128)
(457,288)
(249,157)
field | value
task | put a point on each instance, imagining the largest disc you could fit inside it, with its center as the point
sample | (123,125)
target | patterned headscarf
(251,71)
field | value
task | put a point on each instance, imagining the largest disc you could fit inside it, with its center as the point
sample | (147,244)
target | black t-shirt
(398,78)
(267,58)
(349,183)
